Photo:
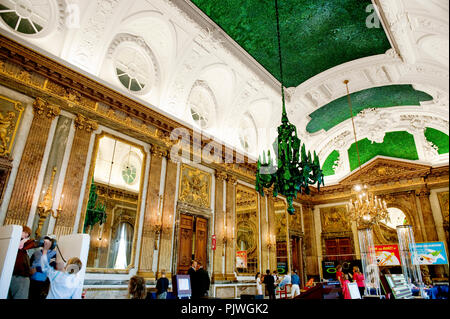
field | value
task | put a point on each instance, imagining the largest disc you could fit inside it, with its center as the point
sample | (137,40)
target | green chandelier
(96,211)
(294,170)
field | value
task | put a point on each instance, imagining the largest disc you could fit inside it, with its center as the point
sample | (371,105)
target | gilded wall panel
(195,187)
(334,219)
(10,115)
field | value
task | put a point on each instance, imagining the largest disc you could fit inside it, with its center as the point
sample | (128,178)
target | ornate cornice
(34,74)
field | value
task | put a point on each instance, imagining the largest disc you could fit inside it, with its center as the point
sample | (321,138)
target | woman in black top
(162,284)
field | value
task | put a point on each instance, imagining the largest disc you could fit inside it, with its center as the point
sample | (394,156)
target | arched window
(396,217)
(28,17)
(247,134)
(202,104)
(133,68)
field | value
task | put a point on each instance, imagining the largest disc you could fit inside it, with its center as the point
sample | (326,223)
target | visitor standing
(192,272)
(39,283)
(203,280)
(359,278)
(295,281)
(345,290)
(339,274)
(162,284)
(270,284)
(20,280)
(259,291)
(65,282)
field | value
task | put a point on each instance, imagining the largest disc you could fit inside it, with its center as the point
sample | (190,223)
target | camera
(41,242)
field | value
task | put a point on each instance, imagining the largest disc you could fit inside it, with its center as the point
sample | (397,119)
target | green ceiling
(395,144)
(327,167)
(438,138)
(338,110)
(315,35)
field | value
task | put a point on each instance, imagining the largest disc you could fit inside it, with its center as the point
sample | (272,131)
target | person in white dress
(259,289)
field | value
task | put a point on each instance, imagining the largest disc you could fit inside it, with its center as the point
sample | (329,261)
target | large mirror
(246,231)
(111,215)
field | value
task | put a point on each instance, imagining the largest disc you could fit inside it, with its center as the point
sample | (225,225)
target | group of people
(272,281)
(344,280)
(200,281)
(137,288)
(41,276)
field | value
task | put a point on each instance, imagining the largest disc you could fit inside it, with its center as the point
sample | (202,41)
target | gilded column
(429,224)
(312,268)
(73,179)
(272,231)
(168,202)
(264,233)
(152,207)
(425,205)
(230,252)
(28,171)
(219,225)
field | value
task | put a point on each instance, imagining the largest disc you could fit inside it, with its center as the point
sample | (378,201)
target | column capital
(422,192)
(220,175)
(159,151)
(232,179)
(42,108)
(83,123)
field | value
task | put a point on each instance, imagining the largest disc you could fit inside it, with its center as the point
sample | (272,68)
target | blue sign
(432,253)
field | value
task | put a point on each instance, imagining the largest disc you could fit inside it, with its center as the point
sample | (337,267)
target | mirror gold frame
(139,203)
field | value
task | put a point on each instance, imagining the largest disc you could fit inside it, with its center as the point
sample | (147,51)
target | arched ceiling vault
(408,47)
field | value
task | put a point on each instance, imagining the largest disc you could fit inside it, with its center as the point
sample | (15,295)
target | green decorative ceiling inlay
(316,35)
(327,167)
(438,138)
(338,110)
(395,144)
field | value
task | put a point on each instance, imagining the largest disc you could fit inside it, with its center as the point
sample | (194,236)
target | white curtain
(123,246)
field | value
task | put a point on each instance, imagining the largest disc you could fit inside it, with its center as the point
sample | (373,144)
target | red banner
(387,255)
(241,259)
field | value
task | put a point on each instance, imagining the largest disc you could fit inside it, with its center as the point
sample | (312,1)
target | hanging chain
(279,55)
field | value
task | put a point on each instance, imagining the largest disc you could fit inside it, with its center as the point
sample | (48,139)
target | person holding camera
(64,281)
(39,283)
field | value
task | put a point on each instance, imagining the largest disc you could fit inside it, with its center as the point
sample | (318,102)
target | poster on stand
(387,255)
(431,253)
(241,259)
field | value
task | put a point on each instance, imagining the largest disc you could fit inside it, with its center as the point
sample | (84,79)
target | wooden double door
(193,242)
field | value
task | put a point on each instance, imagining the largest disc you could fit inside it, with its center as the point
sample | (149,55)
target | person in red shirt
(359,278)
(339,274)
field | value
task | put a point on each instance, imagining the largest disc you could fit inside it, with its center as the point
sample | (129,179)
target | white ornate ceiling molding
(85,48)
(373,124)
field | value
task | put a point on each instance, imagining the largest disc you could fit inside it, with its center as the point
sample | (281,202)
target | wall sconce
(224,236)
(45,206)
(157,224)
(166,227)
(271,241)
